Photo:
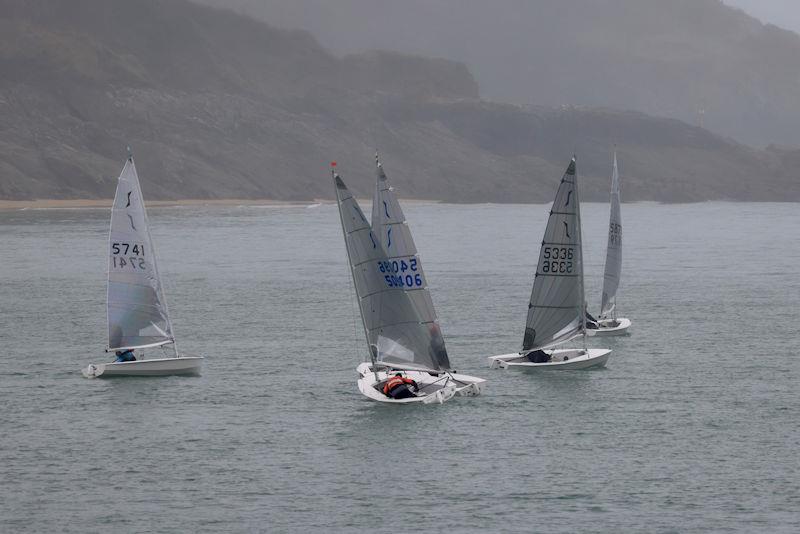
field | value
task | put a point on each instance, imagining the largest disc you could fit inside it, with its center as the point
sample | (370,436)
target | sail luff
(613,266)
(109,348)
(582,309)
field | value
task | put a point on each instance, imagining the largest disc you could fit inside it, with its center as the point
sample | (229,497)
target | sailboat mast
(353,274)
(580,252)
(614,178)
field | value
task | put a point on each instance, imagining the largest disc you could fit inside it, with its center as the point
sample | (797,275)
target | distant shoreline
(106,203)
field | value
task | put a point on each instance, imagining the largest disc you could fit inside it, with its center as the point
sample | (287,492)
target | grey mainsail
(614,250)
(555,311)
(396,332)
(389,224)
(137,310)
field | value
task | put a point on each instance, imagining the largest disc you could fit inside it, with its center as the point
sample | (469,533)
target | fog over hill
(700,61)
(217,105)
(782,13)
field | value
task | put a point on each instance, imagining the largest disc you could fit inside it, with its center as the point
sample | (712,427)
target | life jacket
(395,381)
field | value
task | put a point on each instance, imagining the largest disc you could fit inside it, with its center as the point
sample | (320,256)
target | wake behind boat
(556,311)
(408,359)
(137,309)
(608,324)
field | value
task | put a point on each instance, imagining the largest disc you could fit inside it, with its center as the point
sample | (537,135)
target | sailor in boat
(125,356)
(591,322)
(538,356)
(399,387)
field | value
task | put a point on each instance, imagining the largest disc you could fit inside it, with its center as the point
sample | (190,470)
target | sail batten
(613,268)
(555,310)
(136,307)
(397,333)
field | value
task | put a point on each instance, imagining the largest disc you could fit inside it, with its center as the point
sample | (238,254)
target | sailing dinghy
(608,324)
(556,312)
(403,336)
(137,309)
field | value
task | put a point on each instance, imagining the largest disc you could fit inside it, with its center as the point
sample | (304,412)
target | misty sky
(783,13)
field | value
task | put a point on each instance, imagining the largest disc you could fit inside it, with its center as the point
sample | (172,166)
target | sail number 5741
(128,255)
(126,249)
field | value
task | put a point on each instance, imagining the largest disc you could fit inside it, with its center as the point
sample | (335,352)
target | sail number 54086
(397,266)
(401,273)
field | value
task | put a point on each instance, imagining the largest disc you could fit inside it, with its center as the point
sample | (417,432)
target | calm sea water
(692,427)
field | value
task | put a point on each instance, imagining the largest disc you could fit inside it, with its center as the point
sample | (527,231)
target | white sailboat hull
(184,365)
(433,389)
(609,329)
(575,359)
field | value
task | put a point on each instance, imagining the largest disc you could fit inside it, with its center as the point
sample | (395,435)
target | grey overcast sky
(783,13)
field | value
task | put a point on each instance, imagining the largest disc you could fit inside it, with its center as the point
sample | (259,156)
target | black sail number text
(614,233)
(128,256)
(557,260)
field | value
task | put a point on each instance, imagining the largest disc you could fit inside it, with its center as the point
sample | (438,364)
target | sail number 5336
(557,260)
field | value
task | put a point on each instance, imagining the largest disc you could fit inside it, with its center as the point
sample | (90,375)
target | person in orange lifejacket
(397,387)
